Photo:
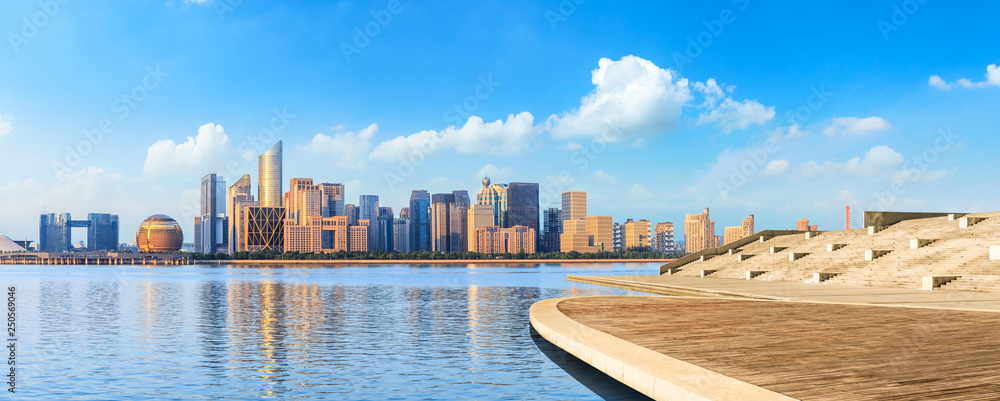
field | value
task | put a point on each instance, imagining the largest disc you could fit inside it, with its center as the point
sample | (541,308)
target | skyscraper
(459,224)
(238,199)
(54,234)
(664,239)
(269,185)
(102,233)
(553,228)
(264,228)
(385,229)
(302,201)
(368,210)
(401,233)
(699,232)
(351,212)
(478,216)
(442,207)
(332,199)
(494,195)
(212,226)
(574,205)
(522,206)
(420,221)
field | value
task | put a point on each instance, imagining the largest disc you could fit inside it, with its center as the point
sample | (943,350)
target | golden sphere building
(159,233)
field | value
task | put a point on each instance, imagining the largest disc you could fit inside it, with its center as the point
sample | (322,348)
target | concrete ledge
(651,373)
(955,216)
(743,256)
(754,273)
(920,243)
(994,252)
(793,256)
(733,251)
(764,239)
(931,283)
(811,234)
(872,230)
(705,258)
(966,222)
(671,271)
(705,273)
(776,249)
(834,247)
(821,277)
(873,254)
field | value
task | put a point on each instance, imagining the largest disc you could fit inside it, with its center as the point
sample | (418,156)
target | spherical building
(159,233)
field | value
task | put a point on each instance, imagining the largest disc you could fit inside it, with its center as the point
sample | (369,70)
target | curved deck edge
(651,373)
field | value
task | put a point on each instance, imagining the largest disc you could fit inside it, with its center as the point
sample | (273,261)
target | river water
(286,332)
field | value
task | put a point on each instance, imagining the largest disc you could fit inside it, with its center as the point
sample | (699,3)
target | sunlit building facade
(494,195)
(493,239)
(159,233)
(574,205)
(478,216)
(269,181)
(699,232)
(637,234)
(264,228)
(238,198)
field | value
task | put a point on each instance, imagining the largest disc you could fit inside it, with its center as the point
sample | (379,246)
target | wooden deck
(814,351)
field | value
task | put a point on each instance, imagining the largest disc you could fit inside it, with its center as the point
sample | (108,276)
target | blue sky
(654,108)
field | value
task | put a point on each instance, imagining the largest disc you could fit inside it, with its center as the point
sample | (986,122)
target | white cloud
(936,81)
(633,98)
(348,148)
(603,177)
(879,159)
(992,79)
(639,193)
(731,114)
(199,2)
(571,146)
(918,175)
(775,167)
(502,138)
(207,152)
(6,125)
(855,126)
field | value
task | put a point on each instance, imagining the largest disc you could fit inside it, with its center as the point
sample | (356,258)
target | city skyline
(151,119)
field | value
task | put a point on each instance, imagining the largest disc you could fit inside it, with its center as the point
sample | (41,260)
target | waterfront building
(302,201)
(664,239)
(574,205)
(478,216)
(239,197)
(747,225)
(618,235)
(553,228)
(699,232)
(588,235)
(442,207)
(264,228)
(359,238)
(269,182)
(368,210)
(351,212)
(637,234)
(599,228)
(385,229)
(802,225)
(493,239)
(55,232)
(459,224)
(159,233)
(522,205)
(332,199)
(401,233)
(420,220)
(736,233)
(495,195)
(8,246)
(211,228)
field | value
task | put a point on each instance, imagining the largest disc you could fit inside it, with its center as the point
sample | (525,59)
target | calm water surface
(379,332)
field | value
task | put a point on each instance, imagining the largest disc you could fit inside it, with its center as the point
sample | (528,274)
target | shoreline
(430,262)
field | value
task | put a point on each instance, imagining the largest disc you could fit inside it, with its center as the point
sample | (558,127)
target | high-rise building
(55,232)
(385,229)
(618,235)
(401,233)
(239,197)
(493,239)
(803,225)
(553,228)
(359,236)
(459,224)
(269,184)
(102,233)
(699,232)
(574,205)
(522,206)
(494,195)
(404,213)
(442,207)
(368,210)
(264,228)
(420,220)
(302,201)
(212,225)
(332,199)
(478,216)
(599,229)
(664,239)
(736,233)
(637,234)
(351,212)
(574,237)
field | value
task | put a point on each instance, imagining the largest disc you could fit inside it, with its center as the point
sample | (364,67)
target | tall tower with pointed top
(269,177)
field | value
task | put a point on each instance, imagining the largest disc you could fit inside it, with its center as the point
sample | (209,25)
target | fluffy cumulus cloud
(775,167)
(632,98)
(878,160)
(6,125)
(209,151)
(855,126)
(992,79)
(503,138)
(729,114)
(348,149)
(496,174)
(603,177)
